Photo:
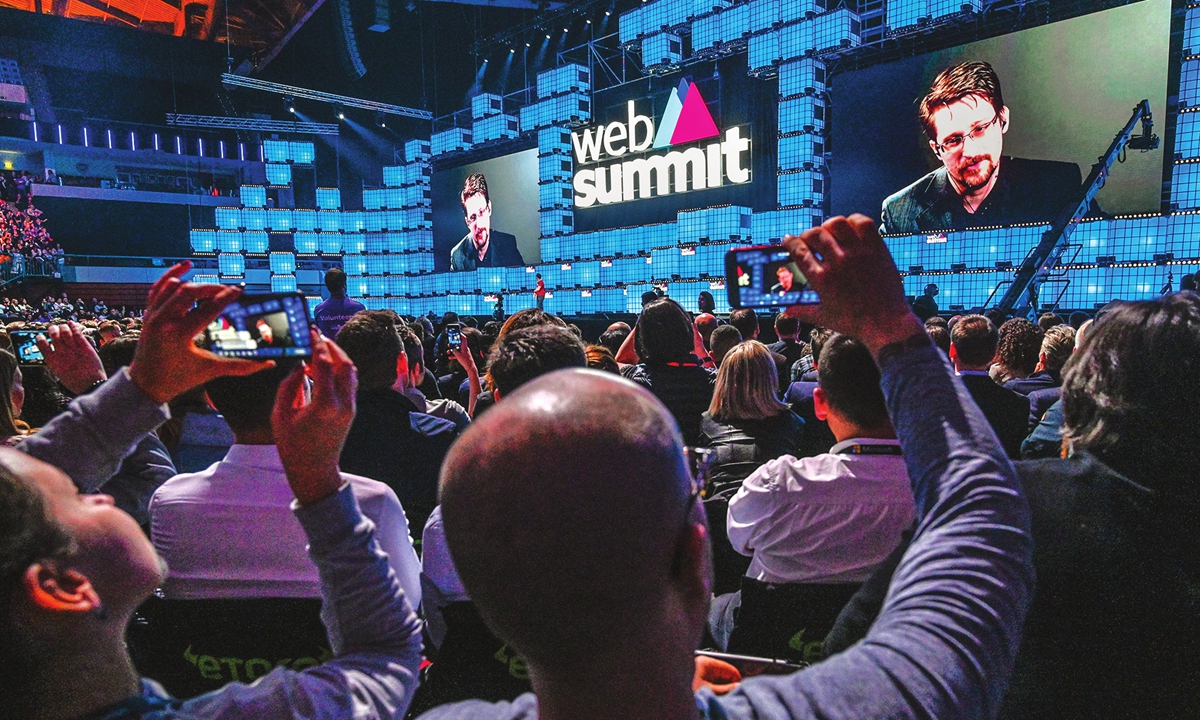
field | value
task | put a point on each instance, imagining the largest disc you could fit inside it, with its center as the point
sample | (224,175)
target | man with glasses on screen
(482,246)
(965,119)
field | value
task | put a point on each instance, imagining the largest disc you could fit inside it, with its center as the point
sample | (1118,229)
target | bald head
(705,324)
(564,511)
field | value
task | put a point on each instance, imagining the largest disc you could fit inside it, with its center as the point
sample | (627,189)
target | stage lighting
(290,104)
(337,110)
(528,45)
(511,51)
(547,36)
(608,13)
(380,120)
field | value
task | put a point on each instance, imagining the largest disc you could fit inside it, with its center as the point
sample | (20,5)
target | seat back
(786,621)
(729,566)
(196,646)
(472,663)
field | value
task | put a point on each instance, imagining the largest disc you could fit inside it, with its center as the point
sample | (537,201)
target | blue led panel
(302,153)
(802,77)
(279,174)
(763,50)
(450,140)
(329,198)
(228,218)
(283,283)
(564,79)
(253,195)
(836,29)
(806,187)
(306,242)
(275,151)
(256,242)
(417,150)
(231,265)
(486,105)
(204,241)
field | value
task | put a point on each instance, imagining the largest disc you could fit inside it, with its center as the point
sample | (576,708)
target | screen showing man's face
(970,140)
(785,278)
(478,214)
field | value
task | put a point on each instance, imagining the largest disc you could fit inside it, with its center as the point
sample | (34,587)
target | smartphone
(25,347)
(750,666)
(453,336)
(765,277)
(261,325)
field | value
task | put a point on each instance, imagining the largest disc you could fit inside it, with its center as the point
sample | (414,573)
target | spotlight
(290,103)
(589,22)
(566,30)
(527,45)
(381,120)
(547,36)
(608,13)
(511,51)
(337,110)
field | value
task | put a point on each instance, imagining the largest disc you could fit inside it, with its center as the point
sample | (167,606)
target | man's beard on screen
(975,178)
(480,237)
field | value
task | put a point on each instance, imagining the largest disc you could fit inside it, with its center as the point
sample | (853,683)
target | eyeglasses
(954,143)
(487,209)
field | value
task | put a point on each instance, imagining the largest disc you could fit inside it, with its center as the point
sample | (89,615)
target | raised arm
(944,643)
(375,634)
(99,429)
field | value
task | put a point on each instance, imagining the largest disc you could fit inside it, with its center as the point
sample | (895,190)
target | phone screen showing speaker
(765,277)
(25,347)
(268,325)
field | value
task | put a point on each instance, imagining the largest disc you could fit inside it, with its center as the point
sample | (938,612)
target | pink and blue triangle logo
(686,118)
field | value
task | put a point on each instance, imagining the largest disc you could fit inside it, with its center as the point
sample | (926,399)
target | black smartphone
(750,666)
(262,325)
(453,336)
(765,277)
(24,343)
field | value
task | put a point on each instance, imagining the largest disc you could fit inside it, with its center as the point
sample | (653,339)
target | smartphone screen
(25,347)
(765,277)
(751,666)
(453,336)
(261,325)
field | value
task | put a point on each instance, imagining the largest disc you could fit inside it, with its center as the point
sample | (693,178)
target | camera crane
(1044,257)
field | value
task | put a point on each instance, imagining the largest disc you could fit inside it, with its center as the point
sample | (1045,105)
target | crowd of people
(24,239)
(51,308)
(508,521)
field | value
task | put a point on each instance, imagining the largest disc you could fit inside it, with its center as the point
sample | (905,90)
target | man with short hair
(603,585)
(410,373)
(964,118)
(229,532)
(390,439)
(107,332)
(705,324)
(724,339)
(539,292)
(333,313)
(787,329)
(482,246)
(834,517)
(613,337)
(972,347)
(524,354)
(746,321)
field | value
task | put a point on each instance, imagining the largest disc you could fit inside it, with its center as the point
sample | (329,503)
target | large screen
(1002,131)
(485,214)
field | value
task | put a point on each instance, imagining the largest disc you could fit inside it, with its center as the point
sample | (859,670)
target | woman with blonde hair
(746,423)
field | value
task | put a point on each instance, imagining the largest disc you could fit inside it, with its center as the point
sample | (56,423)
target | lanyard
(872,450)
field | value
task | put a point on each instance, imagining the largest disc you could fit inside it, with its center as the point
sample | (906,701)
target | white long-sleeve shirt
(825,519)
(229,531)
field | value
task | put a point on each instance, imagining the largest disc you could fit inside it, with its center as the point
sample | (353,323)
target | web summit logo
(686,120)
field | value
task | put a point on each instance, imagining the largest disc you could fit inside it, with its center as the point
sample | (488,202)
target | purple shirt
(332,314)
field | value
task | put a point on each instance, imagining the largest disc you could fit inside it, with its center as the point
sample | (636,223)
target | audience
(972,348)
(746,321)
(228,531)
(391,440)
(787,329)
(940,337)
(1110,632)
(614,336)
(604,591)
(1017,349)
(669,367)
(601,358)
(723,339)
(706,323)
(410,373)
(1057,344)
(75,567)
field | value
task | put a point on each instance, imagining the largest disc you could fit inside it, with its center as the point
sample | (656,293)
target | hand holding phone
(25,347)
(262,325)
(765,277)
(453,336)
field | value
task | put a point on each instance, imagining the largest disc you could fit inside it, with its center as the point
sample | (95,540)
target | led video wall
(758,119)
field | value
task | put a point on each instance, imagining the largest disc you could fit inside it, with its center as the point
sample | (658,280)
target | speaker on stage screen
(485,214)
(1001,131)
